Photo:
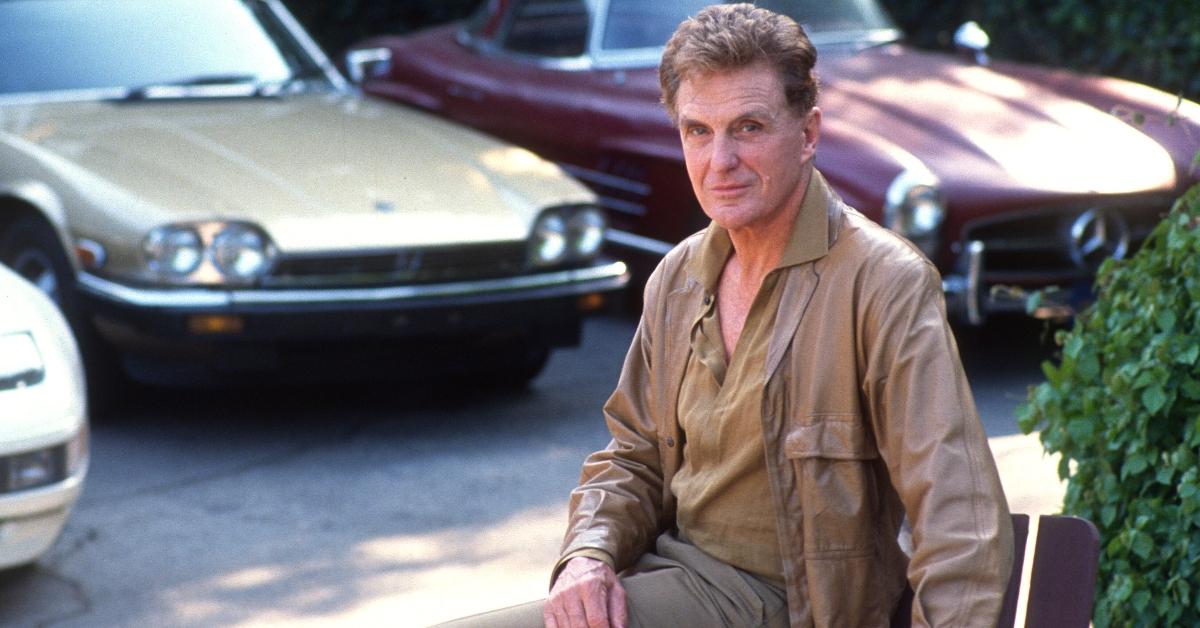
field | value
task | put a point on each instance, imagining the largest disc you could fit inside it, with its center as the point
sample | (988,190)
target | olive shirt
(724,496)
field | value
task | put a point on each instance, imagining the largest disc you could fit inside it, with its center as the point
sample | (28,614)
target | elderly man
(792,393)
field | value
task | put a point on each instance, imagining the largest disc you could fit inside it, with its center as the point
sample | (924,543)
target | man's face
(747,151)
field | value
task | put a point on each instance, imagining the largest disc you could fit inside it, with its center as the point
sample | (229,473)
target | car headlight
(548,245)
(212,253)
(239,252)
(20,361)
(585,231)
(916,209)
(569,233)
(173,250)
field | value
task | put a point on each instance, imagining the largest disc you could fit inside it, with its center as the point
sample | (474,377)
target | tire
(31,248)
(511,367)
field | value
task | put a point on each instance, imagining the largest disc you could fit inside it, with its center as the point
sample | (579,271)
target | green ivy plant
(1123,408)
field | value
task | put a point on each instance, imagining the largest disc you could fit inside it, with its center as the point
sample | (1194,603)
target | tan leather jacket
(867,415)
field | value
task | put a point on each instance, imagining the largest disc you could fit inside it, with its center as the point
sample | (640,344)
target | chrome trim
(641,243)
(618,205)
(358,60)
(603,178)
(608,276)
(64,95)
(975,252)
(971,39)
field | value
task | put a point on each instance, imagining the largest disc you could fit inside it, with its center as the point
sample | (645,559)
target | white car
(43,422)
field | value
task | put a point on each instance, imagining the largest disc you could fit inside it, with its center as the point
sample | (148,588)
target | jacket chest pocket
(833,458)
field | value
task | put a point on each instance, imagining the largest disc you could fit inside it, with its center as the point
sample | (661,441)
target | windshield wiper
(203,86)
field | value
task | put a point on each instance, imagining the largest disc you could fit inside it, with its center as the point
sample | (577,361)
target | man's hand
(587,594)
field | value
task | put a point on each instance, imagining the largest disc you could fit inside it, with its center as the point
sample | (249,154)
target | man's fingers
(618,609)
(595,605)
(577,616)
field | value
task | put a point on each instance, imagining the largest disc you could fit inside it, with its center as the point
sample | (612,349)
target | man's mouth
(728,189)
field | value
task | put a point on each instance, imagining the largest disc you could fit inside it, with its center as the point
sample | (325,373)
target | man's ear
(812,133)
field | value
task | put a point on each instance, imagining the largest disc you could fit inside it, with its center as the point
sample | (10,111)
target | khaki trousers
(677,585)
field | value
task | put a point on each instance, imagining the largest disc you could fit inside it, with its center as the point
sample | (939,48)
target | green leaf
(1142,545)
(1108,513)
(1145,378)
(1189,355)
(1134,464)
(1166,320)
(1122,589)
(1073,346)
(1165,474)
(1141,600)
(1191,388)
(1153,398)
(1089,366)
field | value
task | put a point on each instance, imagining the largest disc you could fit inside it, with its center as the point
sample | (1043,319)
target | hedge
(1123,409)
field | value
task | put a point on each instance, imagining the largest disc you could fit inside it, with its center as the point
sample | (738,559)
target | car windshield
(54,45)
(640,24)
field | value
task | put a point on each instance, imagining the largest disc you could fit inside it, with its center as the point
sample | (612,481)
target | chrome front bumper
(970,300)
(564,283)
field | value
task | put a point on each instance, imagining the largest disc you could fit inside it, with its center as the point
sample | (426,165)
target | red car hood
(978,129)
(984,133)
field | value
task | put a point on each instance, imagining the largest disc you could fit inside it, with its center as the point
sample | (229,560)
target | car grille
(1038,247)
(415,265)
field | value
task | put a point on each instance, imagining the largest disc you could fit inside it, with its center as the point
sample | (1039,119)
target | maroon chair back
(1057,588)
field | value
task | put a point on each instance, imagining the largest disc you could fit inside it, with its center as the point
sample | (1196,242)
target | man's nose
(725,153)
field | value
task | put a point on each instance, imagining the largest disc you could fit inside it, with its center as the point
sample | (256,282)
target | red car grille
(1036,247)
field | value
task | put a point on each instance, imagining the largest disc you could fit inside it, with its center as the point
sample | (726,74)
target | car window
(548,28)
(641,24)
(97,44)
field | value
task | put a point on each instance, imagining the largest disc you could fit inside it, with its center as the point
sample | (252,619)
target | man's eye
(750,127)
(696,131)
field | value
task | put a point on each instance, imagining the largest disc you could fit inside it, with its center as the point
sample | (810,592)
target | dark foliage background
(336,24)
(1156,42)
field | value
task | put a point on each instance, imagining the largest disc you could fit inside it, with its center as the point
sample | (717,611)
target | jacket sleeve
(618,506)
(937,455)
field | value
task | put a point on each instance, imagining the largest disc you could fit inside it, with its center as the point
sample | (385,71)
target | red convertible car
(1010,177)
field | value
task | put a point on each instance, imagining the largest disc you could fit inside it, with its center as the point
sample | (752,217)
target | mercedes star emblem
(1096,235)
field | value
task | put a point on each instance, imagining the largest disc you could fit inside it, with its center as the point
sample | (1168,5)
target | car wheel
(31,248)
(510,367)
(525,367)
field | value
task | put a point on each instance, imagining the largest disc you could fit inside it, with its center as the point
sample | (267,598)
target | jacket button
(670,442)
(707,299)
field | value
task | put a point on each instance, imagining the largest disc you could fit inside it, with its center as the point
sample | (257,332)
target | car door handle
(462,91)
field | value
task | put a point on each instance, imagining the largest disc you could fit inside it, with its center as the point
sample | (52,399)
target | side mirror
(972,40)
(366,62)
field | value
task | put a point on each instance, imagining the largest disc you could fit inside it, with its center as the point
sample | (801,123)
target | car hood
(317,172)
(980,129)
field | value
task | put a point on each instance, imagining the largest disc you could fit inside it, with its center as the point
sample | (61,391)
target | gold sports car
(206,197)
